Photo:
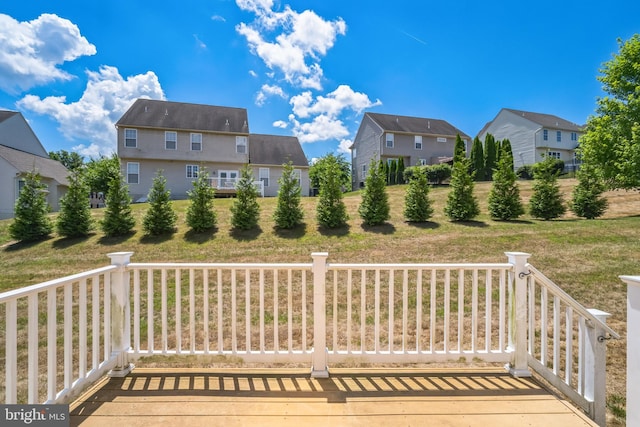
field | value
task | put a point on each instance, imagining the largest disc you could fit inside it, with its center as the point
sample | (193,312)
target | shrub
(245,211)
(75,219)
(461,203)
(288,213)
(374,208)
(160,217)
(200,213)
(118,219)
(546,201)
(586,198)
(331,211)
(31,221)
(504,196)
(437,174)
(417,206)
(525,172)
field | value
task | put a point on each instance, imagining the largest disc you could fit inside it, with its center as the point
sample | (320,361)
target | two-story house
(535,135)
(22,152)
(181,139)
(387,137)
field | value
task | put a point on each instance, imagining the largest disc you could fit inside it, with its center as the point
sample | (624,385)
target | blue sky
(303,68)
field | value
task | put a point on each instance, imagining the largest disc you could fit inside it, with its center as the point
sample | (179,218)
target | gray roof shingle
(149,113)
(26,162)
(547,120)
(415,125)
(275,150)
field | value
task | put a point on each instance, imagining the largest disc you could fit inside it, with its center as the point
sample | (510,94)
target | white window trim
(135,139)
(422,162)
(545,135)
(418,142)
(196,142)
(298,173)
(241,141)
(192,171)
(555,154)
(175,141)
(574,136)
(137,174)
(390,138)
(261,176)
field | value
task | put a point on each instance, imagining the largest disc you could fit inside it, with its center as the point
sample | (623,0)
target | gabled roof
(26,162)
(275,150)
(4,115)
(149,113)
(548,121)
(415,125)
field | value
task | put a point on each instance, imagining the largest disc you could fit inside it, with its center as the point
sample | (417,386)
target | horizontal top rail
(570,301)
(426,266)
(23,292)
(243,266)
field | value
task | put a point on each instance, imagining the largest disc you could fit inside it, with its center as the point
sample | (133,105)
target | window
(170,141)
(559,136)
(192,171)
(554,154)
(440,139)
(545,135)
(422,162)
(133,173)
(364,172)
(196,142)
(263,175)
(298,174)
(21,184)
(353,153)
(418,142)
(131,138)
(389,140)
(574,136)
(241,144)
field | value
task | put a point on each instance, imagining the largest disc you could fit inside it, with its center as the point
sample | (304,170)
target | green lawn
(584,257)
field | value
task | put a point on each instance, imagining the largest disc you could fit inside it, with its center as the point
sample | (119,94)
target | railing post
(120,314)
(595,366)
(319,367)
(633,349)
(518,317)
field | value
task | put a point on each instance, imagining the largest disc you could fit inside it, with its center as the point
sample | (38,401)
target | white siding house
(535,135)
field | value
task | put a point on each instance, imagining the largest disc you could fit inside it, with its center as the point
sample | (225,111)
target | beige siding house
(181,139)
(20,153)
(535,135)
(386,137)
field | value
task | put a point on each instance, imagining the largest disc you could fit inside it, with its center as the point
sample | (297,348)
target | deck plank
(240,397)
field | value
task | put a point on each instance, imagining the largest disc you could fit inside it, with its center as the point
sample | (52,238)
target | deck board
(374,397)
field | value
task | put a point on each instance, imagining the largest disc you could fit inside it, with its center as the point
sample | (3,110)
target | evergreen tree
(200,214)
(31,221)
(504,197)
(459,150)
(400,171)
(477,160)
(75,219)
(546,201)
(331,211)
(586,198)
(489,156)
(288,213)
(461,203)
(505,150)
(417,206)
(393,169)
(160,217)
(118,219)
(245,211)
(374,208)
(385,170)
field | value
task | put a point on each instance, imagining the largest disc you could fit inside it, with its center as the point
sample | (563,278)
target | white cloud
(218,18)
(345,146)
(343,98)
(280,124)
(31,52)
(253,73)
(267,91)
(106,98)
(199,42)
(321,128)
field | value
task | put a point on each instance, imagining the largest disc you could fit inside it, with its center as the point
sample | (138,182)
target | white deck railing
(105,319)
(230,184)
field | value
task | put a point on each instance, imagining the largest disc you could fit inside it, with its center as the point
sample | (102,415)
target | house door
(228,179)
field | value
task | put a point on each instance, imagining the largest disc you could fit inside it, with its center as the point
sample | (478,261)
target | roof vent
(166,112)
(428,124)
(145,108)
(226,123)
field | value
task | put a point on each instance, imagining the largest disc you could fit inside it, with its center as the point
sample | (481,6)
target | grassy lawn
(584,257)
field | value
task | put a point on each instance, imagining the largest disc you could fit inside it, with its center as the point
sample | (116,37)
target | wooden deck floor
(374,397)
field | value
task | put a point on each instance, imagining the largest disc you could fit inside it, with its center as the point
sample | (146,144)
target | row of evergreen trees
(32,222)
(484,160)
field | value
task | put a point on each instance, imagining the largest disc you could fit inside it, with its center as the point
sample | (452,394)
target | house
(20,153)
(387,137)
(535,135)
(181,139)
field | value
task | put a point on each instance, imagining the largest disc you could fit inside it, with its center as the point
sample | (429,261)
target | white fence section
(314,313)
(633,349)
(230,184)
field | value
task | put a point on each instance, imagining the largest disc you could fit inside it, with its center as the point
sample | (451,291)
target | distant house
(181,139)
(20,153)
(387,137)
(535,135)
